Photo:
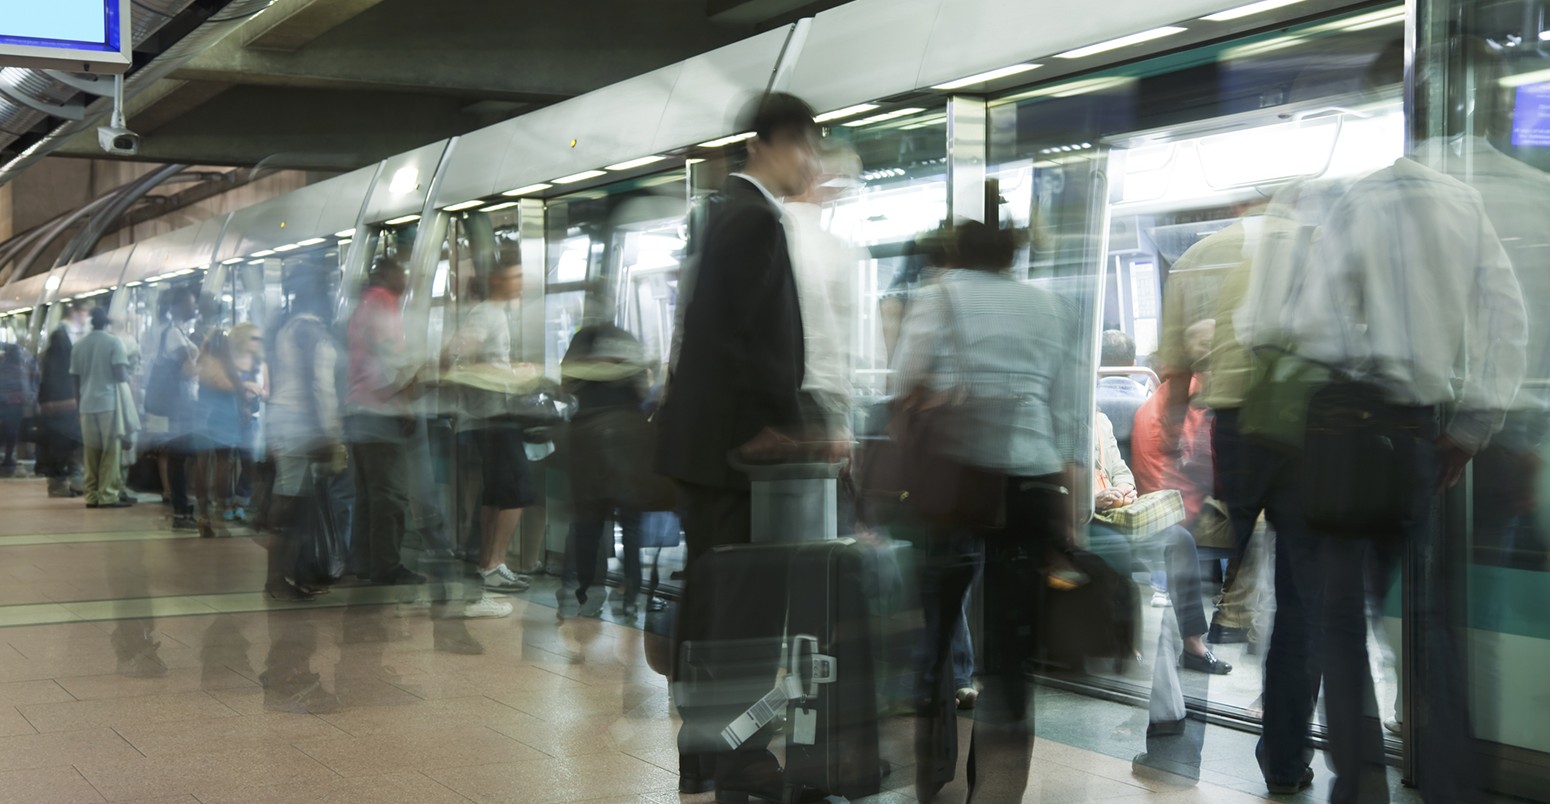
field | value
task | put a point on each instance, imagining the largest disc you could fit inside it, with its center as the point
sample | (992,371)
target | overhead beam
(296,23)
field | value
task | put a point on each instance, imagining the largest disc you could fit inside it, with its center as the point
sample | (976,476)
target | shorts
(508,480)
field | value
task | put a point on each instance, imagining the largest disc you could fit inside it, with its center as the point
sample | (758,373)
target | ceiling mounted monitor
(86,36)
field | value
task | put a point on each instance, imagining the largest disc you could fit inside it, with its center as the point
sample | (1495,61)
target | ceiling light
(1123,41)
(989,75)
(1521,79)
(265,253)
(1362,22)
(848,111)
(1256,48)
(478,202)
(631,164)
(401,221)
(233,260)
(531,188)
(134,284)
(287,247)
(728,140)
(1249,10)
(582,176)
(313,241)
(52,283)
(184,272)
(345,233)
(878,118)
(1544,36)
(693,161)
(406,180)
(1377,22)
(499,207)
(255,262)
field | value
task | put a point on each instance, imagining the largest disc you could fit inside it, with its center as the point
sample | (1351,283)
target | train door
(1137,186)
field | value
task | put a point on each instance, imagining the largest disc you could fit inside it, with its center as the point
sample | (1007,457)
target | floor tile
(60,785)
(74,715)
(206,774)
(417,749)
(26,751)
(555,780)
(184,737)
(183,679)
(395,788)
(454,712)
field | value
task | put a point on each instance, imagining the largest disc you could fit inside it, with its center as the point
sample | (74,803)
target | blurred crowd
(1328,367)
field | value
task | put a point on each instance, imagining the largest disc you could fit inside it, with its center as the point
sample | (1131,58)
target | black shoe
(93,505)
(399,576)
(1206,664)
(1148,766)
(1221,635)
(1291,788)
(1166,728)
(182,522)
(693,785)
(286,591)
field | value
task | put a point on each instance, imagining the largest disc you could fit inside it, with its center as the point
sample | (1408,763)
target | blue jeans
(957,555)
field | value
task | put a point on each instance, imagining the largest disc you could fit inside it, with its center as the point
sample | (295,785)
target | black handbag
(167,391)
(1358,478)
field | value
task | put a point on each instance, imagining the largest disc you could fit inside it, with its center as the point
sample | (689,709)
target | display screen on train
(1531,118)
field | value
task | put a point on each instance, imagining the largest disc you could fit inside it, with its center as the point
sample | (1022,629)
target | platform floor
(551,712)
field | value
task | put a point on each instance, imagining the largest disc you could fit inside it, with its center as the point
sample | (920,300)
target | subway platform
(549,712)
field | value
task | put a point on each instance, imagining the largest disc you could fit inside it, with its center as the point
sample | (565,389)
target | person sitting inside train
(1115,487)
(1187,468)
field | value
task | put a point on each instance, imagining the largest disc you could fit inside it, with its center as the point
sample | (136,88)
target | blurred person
(609,463)
(18,389)
(483,350)
(100,367)
(248,345)
(379,423)
(305,430)
(170,436)
(60,444)
(1119,396)
(222,404)
(1406,288)
(824,267)
(1189,468)
(1115,487)
(973,328)
(737,381)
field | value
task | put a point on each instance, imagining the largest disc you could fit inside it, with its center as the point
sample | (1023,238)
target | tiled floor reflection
(548,713)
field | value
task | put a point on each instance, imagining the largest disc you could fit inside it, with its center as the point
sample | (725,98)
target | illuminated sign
(71,35)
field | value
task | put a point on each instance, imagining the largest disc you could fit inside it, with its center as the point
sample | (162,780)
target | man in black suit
(737,381)
(58,452)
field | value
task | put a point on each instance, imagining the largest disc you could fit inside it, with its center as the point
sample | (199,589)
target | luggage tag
(804,726)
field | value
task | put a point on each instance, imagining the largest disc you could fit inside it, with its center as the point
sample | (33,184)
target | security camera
(120,141)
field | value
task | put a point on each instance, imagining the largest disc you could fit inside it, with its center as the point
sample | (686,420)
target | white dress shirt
(1404,283)
(825,271)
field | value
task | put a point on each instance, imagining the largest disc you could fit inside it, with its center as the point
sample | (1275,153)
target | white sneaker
(502,579)
(487,607)
(1160,600)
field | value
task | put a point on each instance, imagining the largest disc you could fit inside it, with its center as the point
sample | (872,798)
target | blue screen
(64,24)
(1531,118)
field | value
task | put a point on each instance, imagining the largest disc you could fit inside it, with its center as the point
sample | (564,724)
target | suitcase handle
(821,669)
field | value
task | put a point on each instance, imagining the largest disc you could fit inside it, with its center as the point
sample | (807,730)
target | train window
(1138,187)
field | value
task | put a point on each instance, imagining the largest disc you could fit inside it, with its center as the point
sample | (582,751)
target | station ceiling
(336,84)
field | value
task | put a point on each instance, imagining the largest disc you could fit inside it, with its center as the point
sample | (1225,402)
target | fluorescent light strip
(1123,41)
(233,260)
(313,241)
(1249,10)
(631,164)
(1376,23)
(724,141)
(1361,22)
(287,247)
(1524,79)
(134,284)
(405,219)
(531,188)
(478,202)
(582,176)
(268,252)
(499,207)
(345,233)
(989,75)
(848,111)
(885,116)
(1255,49)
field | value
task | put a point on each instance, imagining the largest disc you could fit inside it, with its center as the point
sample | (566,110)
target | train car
(1120,141)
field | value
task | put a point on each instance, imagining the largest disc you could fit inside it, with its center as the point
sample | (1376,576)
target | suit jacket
(740,366)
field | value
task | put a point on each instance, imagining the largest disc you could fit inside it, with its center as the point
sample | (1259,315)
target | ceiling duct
(28,97)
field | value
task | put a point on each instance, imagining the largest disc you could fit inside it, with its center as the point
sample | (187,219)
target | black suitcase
(1099,619)
(783,637)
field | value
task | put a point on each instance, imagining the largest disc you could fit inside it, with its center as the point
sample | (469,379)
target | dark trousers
(178,454)
(59,445)
(940,562)
(1442,738)
(1002,739)
(1250,479)
(10,432)
(382,504)
(587,534)
(1175,547)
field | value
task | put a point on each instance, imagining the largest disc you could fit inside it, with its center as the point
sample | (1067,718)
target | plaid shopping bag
(1148,515)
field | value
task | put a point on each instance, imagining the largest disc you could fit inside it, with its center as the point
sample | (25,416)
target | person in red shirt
(1187,468)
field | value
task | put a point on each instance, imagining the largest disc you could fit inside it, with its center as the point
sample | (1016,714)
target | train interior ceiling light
(87,36)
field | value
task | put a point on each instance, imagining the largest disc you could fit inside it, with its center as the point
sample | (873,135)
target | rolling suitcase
(782,638)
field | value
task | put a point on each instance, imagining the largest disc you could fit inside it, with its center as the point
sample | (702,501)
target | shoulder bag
(166,389)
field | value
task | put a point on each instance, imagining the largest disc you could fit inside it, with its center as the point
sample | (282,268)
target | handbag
(940,487)
(1148,516)
(1357,470)
(167,393)
(317,542)
(1275,407)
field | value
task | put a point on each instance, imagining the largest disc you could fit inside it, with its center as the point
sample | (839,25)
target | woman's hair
(980,247)
(380,268)
(218,348)
(240,335)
